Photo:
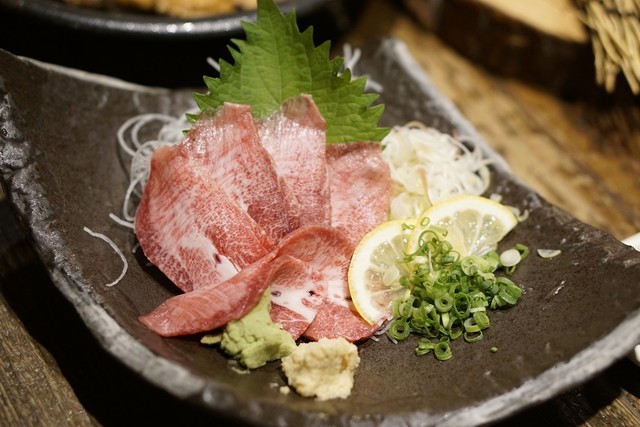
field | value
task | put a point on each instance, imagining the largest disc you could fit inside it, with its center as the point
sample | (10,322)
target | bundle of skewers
(615,36)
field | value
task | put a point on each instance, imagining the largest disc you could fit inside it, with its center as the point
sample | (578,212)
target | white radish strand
(428,166)
(117,250)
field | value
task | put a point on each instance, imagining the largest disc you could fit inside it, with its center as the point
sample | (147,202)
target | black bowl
(141,47)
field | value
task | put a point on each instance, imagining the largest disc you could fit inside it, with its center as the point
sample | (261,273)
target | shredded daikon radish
(134,125)
(351,57)
(131,140)
(428,166)
(116,249)
(214,64)
(121,221)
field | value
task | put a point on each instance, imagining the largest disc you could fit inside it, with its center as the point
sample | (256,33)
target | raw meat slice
(229,148)
(189,228)
(295,136)
(292,321)
(315,256)
(211,307)
(336,315)
(361,187)
(323,254)
(339,319)
(294,297)
(209,200)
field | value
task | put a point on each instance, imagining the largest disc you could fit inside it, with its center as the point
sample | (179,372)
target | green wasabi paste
(255,339)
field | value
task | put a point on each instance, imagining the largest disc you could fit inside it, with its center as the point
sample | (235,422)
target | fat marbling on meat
(189,228)
(198,201)
(229,148)
(295,136)
(308,268)
(360,187)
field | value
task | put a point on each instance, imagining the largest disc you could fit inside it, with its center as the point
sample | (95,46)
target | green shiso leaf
(276,62)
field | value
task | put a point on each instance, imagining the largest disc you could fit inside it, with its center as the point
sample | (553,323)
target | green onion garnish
(449,296)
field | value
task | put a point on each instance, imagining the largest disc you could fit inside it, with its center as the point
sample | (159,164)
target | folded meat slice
(213,306)
(295,136)
(189,228)
(361,187)
(294,297)
(323,254)
(208,308)
(307,274)
(336,315)
(228,147)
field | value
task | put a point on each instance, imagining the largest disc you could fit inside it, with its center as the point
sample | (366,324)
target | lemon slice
(374,272)
(474,224)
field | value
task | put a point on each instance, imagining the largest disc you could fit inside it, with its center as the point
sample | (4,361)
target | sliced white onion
(510,257)
(549,253)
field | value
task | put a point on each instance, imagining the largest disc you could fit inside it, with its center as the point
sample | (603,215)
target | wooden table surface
(582,154)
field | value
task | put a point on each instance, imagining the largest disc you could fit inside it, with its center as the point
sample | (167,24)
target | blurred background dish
(143,47)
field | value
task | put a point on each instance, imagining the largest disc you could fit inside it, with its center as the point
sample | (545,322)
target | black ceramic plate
(61,169)
(143,47)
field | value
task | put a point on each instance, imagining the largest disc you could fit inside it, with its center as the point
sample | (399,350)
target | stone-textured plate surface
(62,171)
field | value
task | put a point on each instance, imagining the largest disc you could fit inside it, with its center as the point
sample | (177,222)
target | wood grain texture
(582,154)
(554,17)
(539,41)
(33,390)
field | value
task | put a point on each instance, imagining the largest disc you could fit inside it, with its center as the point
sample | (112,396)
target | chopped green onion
(461,305)
(442,350)
(470,325)
(399,329)
(472,336)
(482,320)
(454,328)
(449,296)
(444,303)
(523,251)
(424,347)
